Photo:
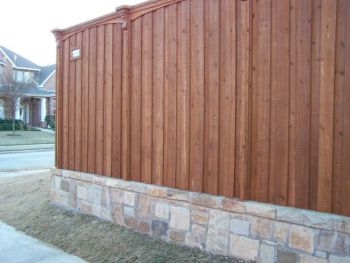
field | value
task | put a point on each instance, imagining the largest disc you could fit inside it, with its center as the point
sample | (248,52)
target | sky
(25,25)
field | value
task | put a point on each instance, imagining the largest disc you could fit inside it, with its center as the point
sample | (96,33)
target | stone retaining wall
(248,230)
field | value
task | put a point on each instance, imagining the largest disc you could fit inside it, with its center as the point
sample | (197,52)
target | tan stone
(218,231)
(129,198)
(131,223)
(118,216)
(311,259)
(179,218)
(178,236)
(196,240)
(259,209)
(200,217)
(178,195)
(243,247)
(198,229)
(117,196)
(144,227)
(261,228)
(204,200)
(156,191)
(341,224)
(144,206)
(82,192)
(232,205)
(281,232)
(333,242)
(85,207)
(301,238)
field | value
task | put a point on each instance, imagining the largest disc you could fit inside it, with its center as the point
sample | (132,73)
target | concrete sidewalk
(29,147)
(16,247)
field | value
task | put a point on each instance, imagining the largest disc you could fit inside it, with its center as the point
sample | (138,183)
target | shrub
(6,125)
(50,120)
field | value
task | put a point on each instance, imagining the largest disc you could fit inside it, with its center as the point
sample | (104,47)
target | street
(27,160)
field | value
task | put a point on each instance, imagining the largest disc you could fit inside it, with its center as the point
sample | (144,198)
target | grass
(24,204)
(26,137)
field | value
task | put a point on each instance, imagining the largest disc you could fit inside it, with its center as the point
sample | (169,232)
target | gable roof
(18,61)
(45,73)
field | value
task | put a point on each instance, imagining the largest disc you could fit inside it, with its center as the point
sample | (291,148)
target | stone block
(341,224)
(287,256)
(159,228)
(72,194)
(86,177)
(218,231)
(311,259)
(292,215)
(194,239)
(100,180)
(117,196)
(243,247)
(65,186)
(82,192)
(259,209)
(320,254)
(200,217)
(198,229)
(106,197)
(204,200)
(261,228)
(118,215)
(232,205)
(267,254)
(144,206)
(318,220)
(333,242)
(55,171)
(57,182)
(301,238)
(178,195)
(338,259)
(129,211)
(129,198)
(106,214)
(162,210)
(281,231)
(176,235)
(239,227)
(95,194)
(179,218)
(131,223)
(156,191)
(85,207)
(96,210)
(144,227)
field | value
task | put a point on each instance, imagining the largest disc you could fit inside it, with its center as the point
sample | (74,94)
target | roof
(19,61)
(45,73)
(36,92)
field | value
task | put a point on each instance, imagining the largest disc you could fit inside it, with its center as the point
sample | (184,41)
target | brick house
(39,99)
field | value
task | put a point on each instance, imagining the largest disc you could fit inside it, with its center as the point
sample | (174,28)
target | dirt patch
(24,204)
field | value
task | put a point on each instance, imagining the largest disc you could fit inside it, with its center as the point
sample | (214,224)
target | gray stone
(179,218)
(281,231)
(218,231)
(301,238)
(243,247)
(259,209)
(129,211)
(239,227)
(57,182)
(318,220)
(96,210)
(72,194)
(144,206)
(292,215)
(332,242)
(321,254)
(337,259)
(162,210)
(195,239)
(117,196)
(267,254)
(287,256)
(82,192)
(65,186)
(129,198)
(159,228)
(95,194)
(311,259)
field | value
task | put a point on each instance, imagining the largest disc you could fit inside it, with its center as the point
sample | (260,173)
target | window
(28,76)
(19,76)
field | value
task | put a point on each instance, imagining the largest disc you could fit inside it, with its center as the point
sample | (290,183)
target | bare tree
(12,90)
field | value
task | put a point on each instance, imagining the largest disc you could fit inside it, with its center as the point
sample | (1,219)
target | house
(218,124)
(38,99)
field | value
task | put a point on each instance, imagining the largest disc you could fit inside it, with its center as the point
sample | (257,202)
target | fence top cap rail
(121,12)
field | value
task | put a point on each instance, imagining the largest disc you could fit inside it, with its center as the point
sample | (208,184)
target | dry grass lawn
(26,137)
(24,204)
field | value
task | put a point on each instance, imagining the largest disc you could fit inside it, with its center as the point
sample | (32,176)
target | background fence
(247,99)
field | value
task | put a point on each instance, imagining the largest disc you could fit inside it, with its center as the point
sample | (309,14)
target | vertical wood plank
(146,111)
(183,95)
(107,115)
(197,96)
(65,104)
(328,28)
(100,99)
(170,63)
(315,99)
(59,100)
(261,100)
(92,100)
(78,103)
(117,102)
(278,167)
(211,85)
(158,97)
(126,105)
(227,104)
(85,101)
(71,106)
(135,100)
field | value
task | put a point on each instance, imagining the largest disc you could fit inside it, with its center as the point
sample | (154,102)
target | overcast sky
(25,25)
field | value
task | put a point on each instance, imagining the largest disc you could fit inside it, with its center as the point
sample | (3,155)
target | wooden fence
(247,99)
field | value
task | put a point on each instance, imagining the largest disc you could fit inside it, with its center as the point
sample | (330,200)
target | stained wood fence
(247,99)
